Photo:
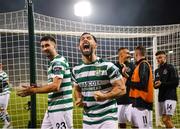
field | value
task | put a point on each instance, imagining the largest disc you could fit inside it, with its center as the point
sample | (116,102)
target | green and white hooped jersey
(4,85)
(61,100)
(97,76)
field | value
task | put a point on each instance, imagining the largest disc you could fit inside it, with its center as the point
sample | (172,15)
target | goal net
(14,54)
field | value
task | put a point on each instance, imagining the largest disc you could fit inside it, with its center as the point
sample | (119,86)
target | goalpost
(14,54)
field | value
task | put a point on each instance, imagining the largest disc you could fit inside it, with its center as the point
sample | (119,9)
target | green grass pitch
(20,116)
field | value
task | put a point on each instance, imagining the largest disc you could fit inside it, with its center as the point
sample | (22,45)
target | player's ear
(55,46)
(96,45)
(78,45)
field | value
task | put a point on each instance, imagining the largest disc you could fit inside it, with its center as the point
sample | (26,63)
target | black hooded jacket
(169,78)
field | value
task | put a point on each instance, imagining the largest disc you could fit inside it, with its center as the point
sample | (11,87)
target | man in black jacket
(124,102)
(141,90)
(166,80)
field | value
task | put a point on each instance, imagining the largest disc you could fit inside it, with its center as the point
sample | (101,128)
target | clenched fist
(79,102)
(99,96)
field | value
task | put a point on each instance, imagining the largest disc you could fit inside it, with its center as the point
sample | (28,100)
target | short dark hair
(160,52)
(48,38)
(142,50)
(89,34)
(121,48)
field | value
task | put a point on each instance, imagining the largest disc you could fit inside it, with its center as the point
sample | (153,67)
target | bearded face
(86,49)
(87,45)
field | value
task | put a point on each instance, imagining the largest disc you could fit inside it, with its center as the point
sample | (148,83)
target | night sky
(113,12)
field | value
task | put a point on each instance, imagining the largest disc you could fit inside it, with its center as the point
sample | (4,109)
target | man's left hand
(99,96)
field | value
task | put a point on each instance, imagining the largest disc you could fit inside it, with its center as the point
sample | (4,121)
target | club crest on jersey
(165,71)
(98,71)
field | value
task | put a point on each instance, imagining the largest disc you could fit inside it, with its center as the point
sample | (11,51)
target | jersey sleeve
(58,69)
(113,73)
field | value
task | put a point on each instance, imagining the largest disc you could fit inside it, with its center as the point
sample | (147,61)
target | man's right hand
(79,102)
(157,84)
(24,91)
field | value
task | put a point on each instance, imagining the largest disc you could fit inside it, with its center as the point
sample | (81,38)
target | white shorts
(167,107)
(4,99)
(124,113)
(58,120)
(104,125)
(141,118)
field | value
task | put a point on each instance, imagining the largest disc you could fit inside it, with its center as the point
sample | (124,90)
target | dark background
(114,12)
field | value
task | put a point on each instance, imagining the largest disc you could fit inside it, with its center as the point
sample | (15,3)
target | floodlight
(170,52)
(82,8)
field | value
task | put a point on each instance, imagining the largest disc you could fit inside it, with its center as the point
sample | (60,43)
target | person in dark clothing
(141,90)
(166,80)
(124,103)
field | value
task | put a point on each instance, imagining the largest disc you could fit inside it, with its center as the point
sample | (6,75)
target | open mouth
(86,49)
(86,46)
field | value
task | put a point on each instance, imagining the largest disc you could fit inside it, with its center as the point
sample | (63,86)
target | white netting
(14,52)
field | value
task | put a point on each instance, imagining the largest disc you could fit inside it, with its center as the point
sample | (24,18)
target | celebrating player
(59,88)
(97,83)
